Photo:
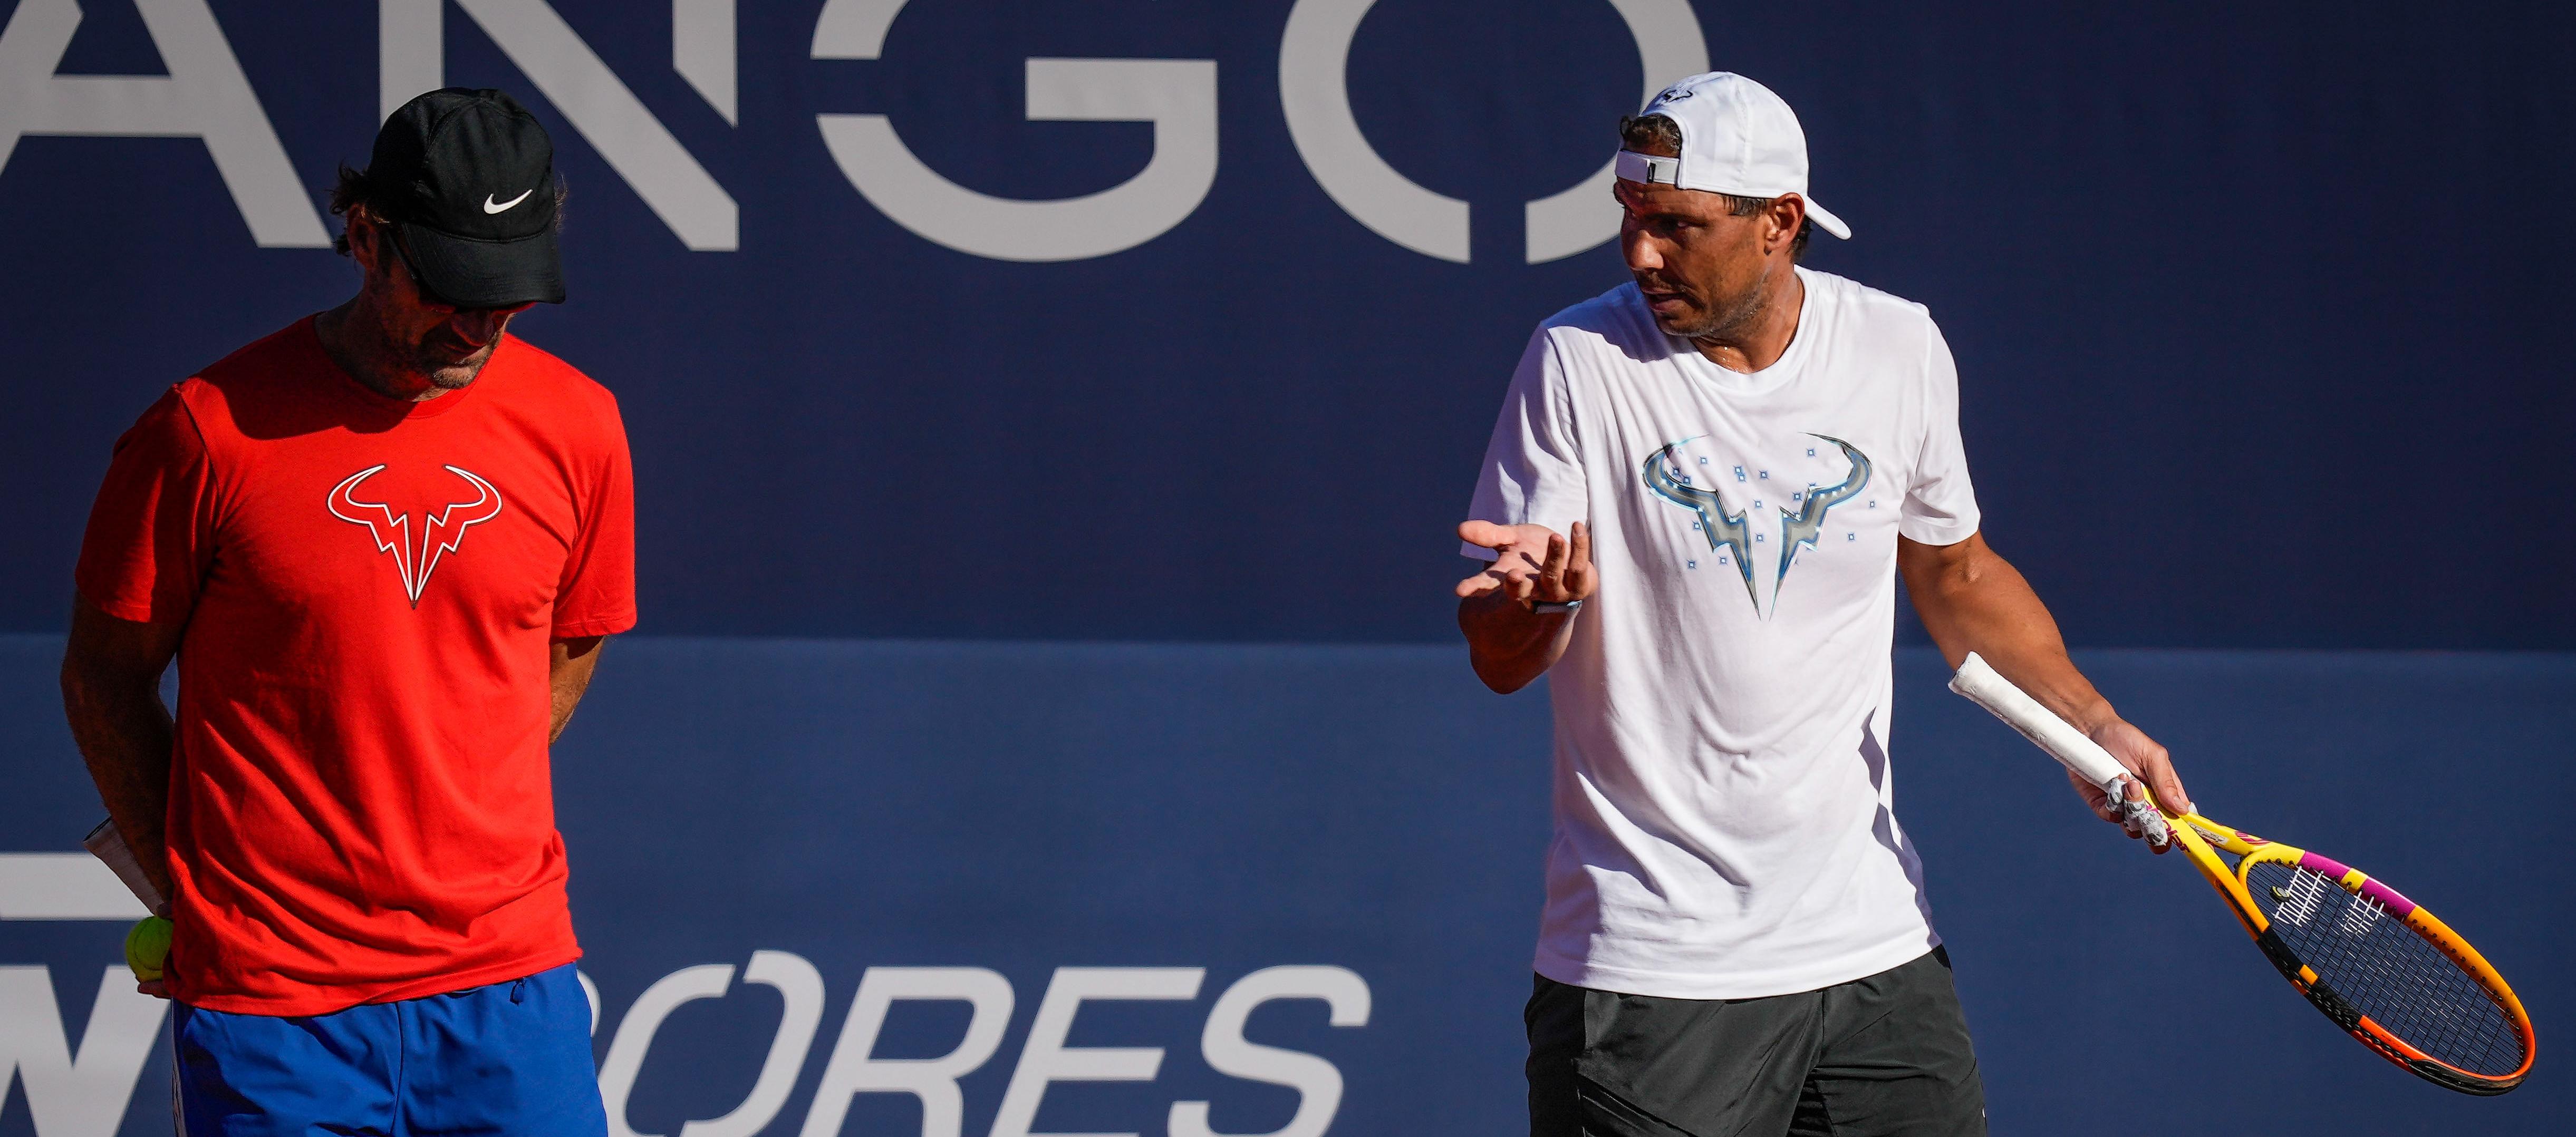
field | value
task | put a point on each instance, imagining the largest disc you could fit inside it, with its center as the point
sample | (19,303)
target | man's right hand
(1533,564)
(1508,642)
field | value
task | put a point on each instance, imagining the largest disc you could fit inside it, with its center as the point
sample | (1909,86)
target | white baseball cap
(1737,137)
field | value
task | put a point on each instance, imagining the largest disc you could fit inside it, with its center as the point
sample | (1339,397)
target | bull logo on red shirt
(416,555)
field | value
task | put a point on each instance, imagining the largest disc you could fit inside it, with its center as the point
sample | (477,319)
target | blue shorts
(510,1058)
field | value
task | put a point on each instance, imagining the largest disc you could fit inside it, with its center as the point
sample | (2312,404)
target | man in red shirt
(385,545)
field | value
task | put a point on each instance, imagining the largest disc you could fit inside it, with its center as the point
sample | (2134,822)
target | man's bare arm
(1971,599)
(112,698)
(568,674)
(1508,642)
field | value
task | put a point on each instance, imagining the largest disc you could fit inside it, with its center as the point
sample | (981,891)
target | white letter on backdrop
(205,96)
(411,52)
(1670,47)
(1045,1058)
(67,1096)
(592,98)
(644,1019)
(702,51)
(1317,1082)
(1177,95)
(802,989)
(1313,54)
(850,1071)
(798,984)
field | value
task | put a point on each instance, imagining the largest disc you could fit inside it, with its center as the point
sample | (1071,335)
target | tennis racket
(2381,966)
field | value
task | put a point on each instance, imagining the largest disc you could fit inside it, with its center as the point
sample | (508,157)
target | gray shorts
(1885,1054)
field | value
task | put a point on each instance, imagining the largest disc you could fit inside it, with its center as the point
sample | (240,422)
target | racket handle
(1986,688)
(107,843)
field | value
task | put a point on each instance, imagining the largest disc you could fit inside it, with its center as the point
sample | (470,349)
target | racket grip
(1986,688)
(107,843)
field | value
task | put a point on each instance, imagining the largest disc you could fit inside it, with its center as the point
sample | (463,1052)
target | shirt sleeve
(1941,504)
(1533,472)
(597,594)
(151,530)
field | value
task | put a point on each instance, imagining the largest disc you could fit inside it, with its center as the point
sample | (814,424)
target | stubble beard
(1726,320)
(434,358)
(390,358)
(447,373)
(1735,320)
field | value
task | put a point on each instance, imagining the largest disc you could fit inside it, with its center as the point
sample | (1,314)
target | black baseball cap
(467,177)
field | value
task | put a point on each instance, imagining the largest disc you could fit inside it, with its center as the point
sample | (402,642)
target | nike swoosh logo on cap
(490,207)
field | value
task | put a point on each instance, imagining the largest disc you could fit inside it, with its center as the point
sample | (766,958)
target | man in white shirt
(1697,499)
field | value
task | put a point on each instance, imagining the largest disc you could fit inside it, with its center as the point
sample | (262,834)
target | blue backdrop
(1026,807)
(2262,310)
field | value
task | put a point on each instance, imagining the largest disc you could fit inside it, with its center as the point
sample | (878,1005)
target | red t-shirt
(360,806)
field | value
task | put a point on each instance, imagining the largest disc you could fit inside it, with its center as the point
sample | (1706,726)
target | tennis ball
(147,947)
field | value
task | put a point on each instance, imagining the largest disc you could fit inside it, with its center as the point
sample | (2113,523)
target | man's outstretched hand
(1535,564)
(1509,644)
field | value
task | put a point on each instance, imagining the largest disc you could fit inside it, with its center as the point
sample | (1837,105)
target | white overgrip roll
(1984,687)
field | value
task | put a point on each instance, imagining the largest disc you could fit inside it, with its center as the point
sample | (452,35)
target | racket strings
(2386,970)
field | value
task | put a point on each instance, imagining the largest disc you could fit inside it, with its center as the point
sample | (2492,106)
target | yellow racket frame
(2202,840)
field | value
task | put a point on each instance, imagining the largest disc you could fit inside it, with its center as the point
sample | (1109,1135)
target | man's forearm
(1972,600)
(125,738)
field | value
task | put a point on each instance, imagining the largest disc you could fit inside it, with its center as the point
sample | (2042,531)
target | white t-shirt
(1724,824)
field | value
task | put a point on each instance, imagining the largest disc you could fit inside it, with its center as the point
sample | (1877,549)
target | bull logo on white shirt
(1724,530)
(1734,531)
(416,555)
